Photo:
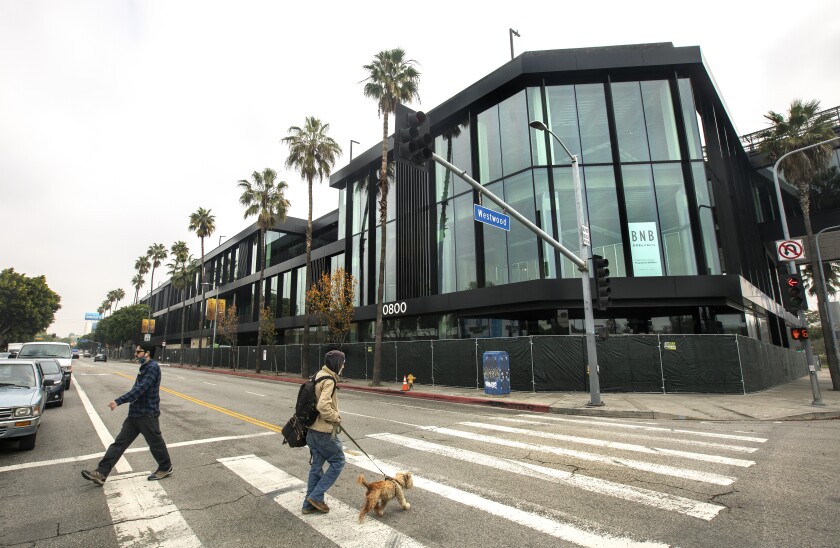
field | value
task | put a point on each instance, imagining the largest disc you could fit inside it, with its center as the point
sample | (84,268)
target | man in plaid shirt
(143,413)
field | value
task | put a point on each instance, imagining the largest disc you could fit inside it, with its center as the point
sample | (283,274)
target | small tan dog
(380,492)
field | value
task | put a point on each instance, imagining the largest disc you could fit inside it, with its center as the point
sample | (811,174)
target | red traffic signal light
(793,296)
(798,333)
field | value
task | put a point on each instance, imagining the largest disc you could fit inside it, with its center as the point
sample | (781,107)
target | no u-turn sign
(790,250)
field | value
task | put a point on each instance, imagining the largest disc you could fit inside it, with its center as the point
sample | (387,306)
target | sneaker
(310,510)
(320,506)
(160,474)
(94,475)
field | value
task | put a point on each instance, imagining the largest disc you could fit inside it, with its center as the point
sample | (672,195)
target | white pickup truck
(58,350)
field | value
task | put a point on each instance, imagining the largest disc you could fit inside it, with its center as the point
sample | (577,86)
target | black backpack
(294,432)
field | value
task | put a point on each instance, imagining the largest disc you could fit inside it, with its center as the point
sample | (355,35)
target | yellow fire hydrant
(411,381)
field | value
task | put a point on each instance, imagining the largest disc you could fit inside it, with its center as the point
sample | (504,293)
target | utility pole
(513,33)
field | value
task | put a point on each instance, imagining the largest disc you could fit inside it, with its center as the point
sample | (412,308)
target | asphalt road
(483,476)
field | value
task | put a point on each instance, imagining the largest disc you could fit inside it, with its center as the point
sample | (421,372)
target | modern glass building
(681,210)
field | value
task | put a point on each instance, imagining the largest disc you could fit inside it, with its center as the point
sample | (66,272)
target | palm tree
(111,298)
(142,266)
(831,275)
(137,282)
(203,224)
(181,271)
(156,254)
(119,294)
(264,198)
(392,79)
(804,127)
(312,153)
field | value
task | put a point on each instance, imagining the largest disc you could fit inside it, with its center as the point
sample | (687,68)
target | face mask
(141,359)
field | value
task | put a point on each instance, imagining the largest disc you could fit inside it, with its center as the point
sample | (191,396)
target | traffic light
(603,291)
(413,139)
(798,333)
(793,296)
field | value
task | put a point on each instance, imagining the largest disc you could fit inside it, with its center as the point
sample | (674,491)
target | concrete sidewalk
(791,401)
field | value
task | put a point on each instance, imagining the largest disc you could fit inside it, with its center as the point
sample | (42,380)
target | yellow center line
(234,414)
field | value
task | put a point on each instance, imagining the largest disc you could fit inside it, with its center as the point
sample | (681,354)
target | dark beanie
(334,360)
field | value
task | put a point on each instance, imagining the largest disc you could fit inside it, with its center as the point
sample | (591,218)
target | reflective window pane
(645,247)
(660,122)
(454,146)
(445,231)
(567,220)
(692,129)
(630,122)
(361,205)
(342,213)
(705,211)
(562,120)
(465,242)
(489,145)
(495,245)
(671,199)
(522,243)
(545,220)
(604,226)
(539,155)
(593,126)
(513,124)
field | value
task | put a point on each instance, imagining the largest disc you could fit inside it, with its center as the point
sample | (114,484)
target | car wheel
(60,402)
(27,443)
(67,385)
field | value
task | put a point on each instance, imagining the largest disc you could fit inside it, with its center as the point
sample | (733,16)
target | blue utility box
(496,373)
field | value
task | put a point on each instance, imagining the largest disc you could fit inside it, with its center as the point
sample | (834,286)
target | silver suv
(23,397)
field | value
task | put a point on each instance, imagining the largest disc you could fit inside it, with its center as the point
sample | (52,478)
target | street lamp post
(825,292)
(513,33)
(586,255)
(351,148)
(220,239)
(809,353)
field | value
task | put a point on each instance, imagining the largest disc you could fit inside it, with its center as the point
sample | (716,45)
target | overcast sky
(120,118)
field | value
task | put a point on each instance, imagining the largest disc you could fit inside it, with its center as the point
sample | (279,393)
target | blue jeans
(324,449)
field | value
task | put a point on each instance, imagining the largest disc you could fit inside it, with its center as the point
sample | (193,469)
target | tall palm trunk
(183,318)
(304,365)
(817,271)
(380,289)
(136,294)
(202,305)
(151,289)
(261,260)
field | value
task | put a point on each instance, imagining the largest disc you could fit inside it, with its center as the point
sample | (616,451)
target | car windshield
(50,367)
(44,351)
(16,374)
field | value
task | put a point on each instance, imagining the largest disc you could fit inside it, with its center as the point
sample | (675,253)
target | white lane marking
(93,374)
(698,443)
(654,428)
(267,478)
(555,528)
(144,515)
(386,420)
(177,377)
(648,497)
(210,383)
(105,437)
(254,393)
(665,470)
(51,462)
(615,445)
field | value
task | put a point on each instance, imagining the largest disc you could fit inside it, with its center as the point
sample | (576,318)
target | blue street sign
(490,217)
(92,316)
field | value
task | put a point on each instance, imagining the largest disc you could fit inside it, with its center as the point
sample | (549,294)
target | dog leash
(342,429)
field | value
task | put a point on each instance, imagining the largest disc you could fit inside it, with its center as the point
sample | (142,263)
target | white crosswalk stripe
(350,534)
(663,469)
(143,514)
(557,529)
(615,445)
(640,495)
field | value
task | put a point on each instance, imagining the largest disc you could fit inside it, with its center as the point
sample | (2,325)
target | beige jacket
(327,405)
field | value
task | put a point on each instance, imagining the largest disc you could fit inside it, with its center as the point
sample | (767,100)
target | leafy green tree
(27,306)
(804,126)
(263,198)
(269,332)
(227,328)
(392,80)
(203,223)
(831,275)
(313,154)
(123,326)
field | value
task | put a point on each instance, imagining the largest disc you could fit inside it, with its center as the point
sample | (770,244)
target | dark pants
(132,427)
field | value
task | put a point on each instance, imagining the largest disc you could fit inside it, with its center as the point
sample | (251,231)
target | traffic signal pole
(582,263)
(809,352)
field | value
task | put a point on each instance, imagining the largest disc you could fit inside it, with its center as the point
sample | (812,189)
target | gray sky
(120,118)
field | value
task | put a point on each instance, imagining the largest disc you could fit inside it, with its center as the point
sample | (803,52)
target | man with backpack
(322,437)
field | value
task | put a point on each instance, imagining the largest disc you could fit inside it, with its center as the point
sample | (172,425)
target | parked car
(58,350)
(4,355)
(51,370)
(86,354)
(23,397)
(101,357)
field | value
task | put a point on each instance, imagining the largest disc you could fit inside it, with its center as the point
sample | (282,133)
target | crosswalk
(671,472)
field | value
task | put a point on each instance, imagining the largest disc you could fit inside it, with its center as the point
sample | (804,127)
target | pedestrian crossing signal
(798,333)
